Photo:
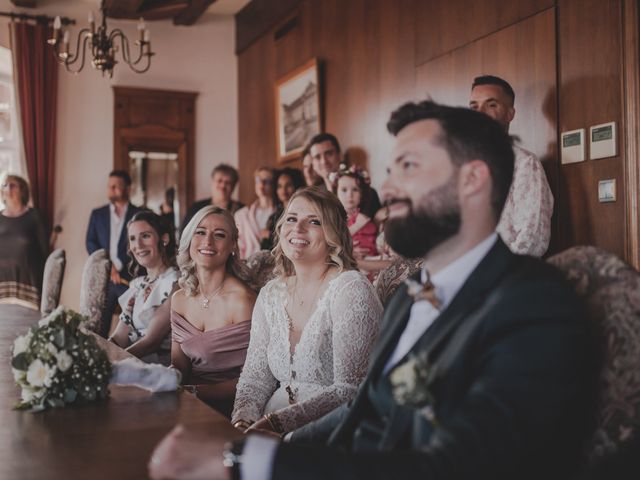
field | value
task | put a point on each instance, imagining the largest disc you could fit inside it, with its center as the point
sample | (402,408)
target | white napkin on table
(149,376)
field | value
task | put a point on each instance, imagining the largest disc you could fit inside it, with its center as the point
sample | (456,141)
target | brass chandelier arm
(67,59)
(126,52)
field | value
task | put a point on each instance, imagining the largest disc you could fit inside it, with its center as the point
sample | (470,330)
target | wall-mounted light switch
(607,190)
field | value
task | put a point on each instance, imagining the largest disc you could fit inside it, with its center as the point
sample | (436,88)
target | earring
(164,244)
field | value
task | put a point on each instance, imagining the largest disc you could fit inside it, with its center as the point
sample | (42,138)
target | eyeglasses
(9,185)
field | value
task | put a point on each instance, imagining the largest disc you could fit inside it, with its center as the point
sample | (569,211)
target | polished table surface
(112,439)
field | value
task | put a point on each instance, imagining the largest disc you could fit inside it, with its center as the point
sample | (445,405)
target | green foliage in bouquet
(56,364)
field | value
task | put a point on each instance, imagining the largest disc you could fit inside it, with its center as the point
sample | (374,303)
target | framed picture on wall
(298,113)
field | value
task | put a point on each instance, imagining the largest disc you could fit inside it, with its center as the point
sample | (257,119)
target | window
(10,151)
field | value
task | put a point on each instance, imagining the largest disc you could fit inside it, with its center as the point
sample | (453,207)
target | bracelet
(241,424)
(274,423)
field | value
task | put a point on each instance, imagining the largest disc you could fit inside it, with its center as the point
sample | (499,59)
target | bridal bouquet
(56,364)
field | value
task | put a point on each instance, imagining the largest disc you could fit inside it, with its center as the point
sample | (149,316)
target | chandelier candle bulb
(57,23)
(147,35)
(141,29)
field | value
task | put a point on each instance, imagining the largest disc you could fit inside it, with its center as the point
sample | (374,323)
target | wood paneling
(257,18)
(589,90)
(563,57)
(447,25)
(524,54)
(367,52)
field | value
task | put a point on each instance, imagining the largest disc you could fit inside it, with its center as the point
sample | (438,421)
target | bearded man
(483,368)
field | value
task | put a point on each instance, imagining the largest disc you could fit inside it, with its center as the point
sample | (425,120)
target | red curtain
(36,77)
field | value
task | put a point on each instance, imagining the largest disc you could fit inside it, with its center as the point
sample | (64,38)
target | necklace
(206,300)
(300,299)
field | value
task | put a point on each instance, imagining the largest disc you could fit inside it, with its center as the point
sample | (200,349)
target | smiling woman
(144,325)
(313,325)
(210,315)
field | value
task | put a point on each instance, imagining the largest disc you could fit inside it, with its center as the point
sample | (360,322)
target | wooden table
(112,439)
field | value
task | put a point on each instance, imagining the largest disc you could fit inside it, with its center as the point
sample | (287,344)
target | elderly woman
(144,324)
(211,313)
(252,220)
(313,326)
(24,246)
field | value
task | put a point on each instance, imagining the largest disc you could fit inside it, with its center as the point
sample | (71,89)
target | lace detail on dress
(525,224)
(329,361)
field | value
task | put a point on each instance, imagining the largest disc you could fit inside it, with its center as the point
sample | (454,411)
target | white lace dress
(329,361)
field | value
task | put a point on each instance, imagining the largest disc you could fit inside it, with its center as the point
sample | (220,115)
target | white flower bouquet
(56,364)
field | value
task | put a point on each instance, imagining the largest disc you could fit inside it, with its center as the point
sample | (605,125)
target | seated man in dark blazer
(99,235)
(484,364)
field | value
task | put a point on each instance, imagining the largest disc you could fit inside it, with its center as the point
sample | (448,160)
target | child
(351,185)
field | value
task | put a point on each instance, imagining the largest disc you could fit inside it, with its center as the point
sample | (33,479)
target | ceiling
(182,12)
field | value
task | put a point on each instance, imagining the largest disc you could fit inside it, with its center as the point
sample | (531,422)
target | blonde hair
(188,278)
(333,219)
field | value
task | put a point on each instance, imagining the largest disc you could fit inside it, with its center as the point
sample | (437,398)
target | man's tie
(423,291)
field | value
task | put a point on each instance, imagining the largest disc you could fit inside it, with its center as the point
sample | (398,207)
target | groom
(487,374)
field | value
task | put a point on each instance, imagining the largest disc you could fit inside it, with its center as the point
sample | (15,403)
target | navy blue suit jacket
(98,235)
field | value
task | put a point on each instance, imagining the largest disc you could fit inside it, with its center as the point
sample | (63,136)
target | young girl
(352,189)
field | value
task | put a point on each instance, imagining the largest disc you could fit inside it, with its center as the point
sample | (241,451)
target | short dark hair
(324,137)
(226,170)
(161,226)
(467,135)
(493,80)
(123,174)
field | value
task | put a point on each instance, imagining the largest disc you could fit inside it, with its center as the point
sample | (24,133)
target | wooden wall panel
(447,25)
(524,54)
(366,48)
(590,93)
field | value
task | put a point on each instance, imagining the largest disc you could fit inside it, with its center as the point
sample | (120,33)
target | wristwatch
(232,458)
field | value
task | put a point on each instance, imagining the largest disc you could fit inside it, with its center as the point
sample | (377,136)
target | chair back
(611,291)
(390,278)
(52,281)
(93,290)
(260,268)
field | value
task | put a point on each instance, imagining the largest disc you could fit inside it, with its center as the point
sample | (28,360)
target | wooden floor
(112,439)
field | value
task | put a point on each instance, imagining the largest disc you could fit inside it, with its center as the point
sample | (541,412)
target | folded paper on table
(149,376)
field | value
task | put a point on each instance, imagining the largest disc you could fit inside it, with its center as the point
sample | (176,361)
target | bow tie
(423,291)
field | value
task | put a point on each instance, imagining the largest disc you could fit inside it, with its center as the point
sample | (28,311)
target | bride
(313,326)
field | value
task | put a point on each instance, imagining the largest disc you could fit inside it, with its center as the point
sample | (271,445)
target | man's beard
(434,220)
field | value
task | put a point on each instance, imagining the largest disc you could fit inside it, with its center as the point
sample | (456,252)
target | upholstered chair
(52,281)
(260,268)
(390,278)
(93,290)
(611,290)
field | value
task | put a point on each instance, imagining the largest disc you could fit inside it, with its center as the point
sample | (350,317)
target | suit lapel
(395,319)
(472,294)
(474,291)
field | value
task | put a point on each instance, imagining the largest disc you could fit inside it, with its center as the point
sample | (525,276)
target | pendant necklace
(206,300)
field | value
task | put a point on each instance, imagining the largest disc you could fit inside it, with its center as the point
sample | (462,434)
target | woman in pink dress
(211,313)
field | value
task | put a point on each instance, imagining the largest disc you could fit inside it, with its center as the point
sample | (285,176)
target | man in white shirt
(107,230)
(525,224)
(483,372)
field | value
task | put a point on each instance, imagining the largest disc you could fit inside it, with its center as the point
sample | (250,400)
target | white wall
(198,58)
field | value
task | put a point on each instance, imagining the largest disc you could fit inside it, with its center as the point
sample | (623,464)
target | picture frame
(298,112)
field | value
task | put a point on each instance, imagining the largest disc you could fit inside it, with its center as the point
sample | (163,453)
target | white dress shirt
(259,451)
(115,229)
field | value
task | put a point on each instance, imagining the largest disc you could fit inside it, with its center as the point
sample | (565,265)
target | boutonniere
(410,381)
(422,291)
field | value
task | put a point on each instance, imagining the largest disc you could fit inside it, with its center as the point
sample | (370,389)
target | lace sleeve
(355,313)
(257,383)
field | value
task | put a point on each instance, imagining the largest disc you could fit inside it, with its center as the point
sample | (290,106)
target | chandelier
(103,45)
